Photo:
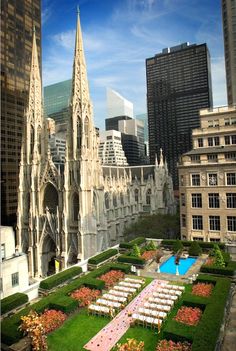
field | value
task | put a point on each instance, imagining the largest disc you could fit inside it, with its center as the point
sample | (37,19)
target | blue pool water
(184,265)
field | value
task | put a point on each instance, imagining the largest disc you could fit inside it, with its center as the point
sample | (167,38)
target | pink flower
(85,296)
(188,315)
(202,289)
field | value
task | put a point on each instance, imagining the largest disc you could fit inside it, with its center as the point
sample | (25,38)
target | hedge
(229,270)
(103,256)
(13,301)
(187,243)
(59,300)
(209,326)
(94,284)
(204,336)
(130,244)
(131,259)
(59,278)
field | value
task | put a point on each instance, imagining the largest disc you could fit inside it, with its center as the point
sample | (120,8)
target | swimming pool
(184,265)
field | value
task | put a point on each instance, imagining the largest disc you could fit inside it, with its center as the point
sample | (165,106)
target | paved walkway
(109,335)
(230,327)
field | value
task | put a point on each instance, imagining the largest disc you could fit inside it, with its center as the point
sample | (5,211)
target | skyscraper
(56,100)
(229,30)
(18,19)
(178,86)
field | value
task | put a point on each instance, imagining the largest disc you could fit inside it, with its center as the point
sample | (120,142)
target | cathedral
(72,211)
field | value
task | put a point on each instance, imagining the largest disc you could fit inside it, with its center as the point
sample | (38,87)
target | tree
(177,246)
(219,259)
(195,249)
(136,252)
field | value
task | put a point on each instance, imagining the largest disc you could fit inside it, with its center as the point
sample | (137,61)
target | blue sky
(119,35)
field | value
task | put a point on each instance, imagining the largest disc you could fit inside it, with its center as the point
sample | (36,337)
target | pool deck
(150,271)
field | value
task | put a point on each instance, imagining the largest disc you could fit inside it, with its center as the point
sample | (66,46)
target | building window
(148,197)
(136,195)
(182,199)
(213,201)
(212,158)
(213,123)
(212,179)
(3,251)
(231,200)
(214,222)
(196,238)
(15,279)
(227,140)
(214,240)
(195,179)
(231,223)
(197,222)
(200,142)
(213,141)
(181,180)
(195,158)
(230,139)
(114,200)
(230,156)
(183,220)
(231,178)
(197,200)
(230,121)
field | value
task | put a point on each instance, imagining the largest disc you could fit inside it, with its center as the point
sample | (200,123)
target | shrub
(85,296)
(227,271)
(13,301)
(131,259)
(59,278)
(177,246)
(135,251)
(94,283)
(187,243)
(63,303)
(151,246)
(103,256)
(169,345)
(219,260)
(138,241)
(131,345)
(52,319)
(195,249)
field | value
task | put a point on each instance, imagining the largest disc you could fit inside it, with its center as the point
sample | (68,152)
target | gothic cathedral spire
(81,124)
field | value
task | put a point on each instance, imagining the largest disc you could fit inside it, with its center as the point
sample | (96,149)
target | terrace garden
(68,322)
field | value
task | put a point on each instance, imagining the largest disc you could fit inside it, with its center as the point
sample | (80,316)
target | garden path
(109,335)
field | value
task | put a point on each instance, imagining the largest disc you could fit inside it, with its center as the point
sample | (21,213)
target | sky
(119,35)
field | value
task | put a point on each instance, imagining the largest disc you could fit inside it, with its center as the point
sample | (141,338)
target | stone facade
(207,177)
(74,210)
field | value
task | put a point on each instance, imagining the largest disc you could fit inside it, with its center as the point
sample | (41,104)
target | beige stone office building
(207,176)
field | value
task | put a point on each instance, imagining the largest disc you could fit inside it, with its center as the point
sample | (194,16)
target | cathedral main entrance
(48,256)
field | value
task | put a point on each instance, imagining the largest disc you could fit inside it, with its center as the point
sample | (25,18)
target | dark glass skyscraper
(18,18)
(178,86)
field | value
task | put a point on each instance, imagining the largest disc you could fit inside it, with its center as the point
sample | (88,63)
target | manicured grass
(76,332)
(79,329)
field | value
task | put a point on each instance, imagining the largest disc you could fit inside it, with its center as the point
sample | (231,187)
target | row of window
(214,222)
(212,179)
(227,122)
(213,200)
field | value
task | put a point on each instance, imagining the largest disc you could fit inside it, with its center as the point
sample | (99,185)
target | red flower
(85,296)
(52,319)
(188,315)
(111,277)
(148,255)
(169,345)
(202,289)
(210,261)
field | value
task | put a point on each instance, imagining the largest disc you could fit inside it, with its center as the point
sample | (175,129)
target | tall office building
(117,105)
(229,30)
(18,18)
(56,101)
(178,86)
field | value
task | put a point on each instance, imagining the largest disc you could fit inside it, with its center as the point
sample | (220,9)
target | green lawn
(81,327)
(76,332)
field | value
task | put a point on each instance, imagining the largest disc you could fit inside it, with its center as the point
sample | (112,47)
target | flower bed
(202,289)
(188,315)
(52,319)
(85,296)
(131,345)
(111,277)
(149,255)
(210,261)
(169,345)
